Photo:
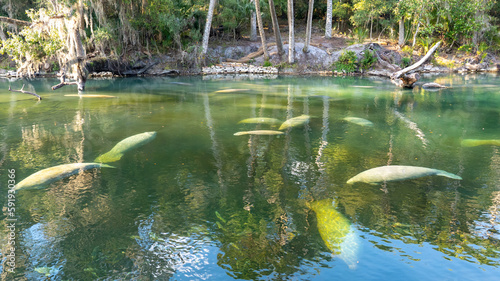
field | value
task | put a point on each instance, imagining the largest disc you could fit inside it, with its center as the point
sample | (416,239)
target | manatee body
(397,173)
(125,145)
(260,120)
(337,232)
(232,90)
(90,96)
(474,142)
(49,175)
(359,121)
(295,121)
(259,132)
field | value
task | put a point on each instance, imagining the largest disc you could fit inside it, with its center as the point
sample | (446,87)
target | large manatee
(397,173)
(52,174)
(336,231)
(295,121)
(474,142)
(259,132)
(260,120)
(359,121)
(125,145)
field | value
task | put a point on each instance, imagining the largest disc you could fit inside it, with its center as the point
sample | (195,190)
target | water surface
(198,203)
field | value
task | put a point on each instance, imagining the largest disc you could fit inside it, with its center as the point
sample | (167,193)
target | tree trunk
(371,27)
(291,32)
(261,29)
(276,29)
(208,24)
(253,26)
(328,26)
(415,35)
(401,41)
(309,26)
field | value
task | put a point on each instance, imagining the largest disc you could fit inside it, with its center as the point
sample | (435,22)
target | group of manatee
(335,230)
(47,176)
(371,176)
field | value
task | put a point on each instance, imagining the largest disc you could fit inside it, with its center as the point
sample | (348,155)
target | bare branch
(15,22)
(25,92)
(416,65)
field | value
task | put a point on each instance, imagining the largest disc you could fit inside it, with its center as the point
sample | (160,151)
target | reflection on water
(199,203)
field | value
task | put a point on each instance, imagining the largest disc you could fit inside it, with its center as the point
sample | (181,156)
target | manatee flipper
(109,157)
(448,175)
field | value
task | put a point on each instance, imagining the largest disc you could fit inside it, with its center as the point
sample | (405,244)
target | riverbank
(319,60)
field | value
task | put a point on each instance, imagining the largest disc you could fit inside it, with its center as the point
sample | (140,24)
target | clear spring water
(198,203)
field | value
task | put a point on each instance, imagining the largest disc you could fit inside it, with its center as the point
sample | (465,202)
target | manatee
(359,121)
(397,173)
(90,96)
(295,121)
(474,142)
(259,132)
(232,90)
(337,232)
(125,145)
(260,120)
(49,175)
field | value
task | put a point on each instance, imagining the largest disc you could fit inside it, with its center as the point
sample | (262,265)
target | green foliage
(466,49)
(361,34)
(482,50)
(405,61)
(267,63)
(367,60)
(33,44)
(346,62)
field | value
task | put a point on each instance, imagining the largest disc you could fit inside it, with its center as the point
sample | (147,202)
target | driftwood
(255,54)
(26,92)
(408,81)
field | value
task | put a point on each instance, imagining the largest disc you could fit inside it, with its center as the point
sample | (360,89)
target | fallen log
(407,81)
(26,92)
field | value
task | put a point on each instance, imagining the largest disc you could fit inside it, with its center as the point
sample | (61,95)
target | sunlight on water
(228,179)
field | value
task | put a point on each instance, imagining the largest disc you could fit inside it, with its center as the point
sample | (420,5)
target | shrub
(405,61)
(267,63)
(367,60)
(346,62)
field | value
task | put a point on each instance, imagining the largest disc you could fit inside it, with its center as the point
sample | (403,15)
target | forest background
(65,35)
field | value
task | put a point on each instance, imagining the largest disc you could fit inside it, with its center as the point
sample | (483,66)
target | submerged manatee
(397,173)
(260,120)
(474,142)
(359,121)
(295,121)
(125,145)
(259,132)
(336,231)
(52,174)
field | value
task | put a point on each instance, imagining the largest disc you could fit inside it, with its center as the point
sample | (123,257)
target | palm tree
(208,24)
(291,32)
(309,26)
(328,27)
(276,28)
(261,28)
(253,26)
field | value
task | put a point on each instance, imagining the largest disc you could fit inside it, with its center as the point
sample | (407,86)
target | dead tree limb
(15,21)
(25,92)
(407,81)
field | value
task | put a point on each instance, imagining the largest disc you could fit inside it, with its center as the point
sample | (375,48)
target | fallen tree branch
(416,65)
(255,54)
(25,92)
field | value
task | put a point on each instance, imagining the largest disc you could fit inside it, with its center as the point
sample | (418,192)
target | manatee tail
(448,175)
(108,157)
